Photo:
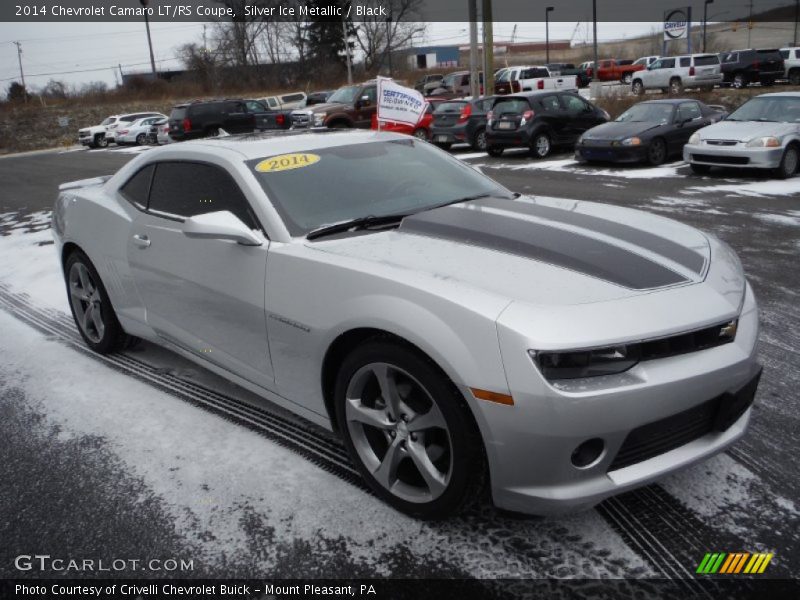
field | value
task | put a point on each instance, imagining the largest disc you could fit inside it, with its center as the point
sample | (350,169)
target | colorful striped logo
(733,563)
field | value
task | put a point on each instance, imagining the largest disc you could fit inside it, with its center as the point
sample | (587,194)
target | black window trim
(179,218)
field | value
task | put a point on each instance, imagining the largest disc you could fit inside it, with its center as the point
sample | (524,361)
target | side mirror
(220,225)
(363,101)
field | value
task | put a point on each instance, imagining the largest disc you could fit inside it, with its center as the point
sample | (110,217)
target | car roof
(779,95)
(271,143)
(670,101)
(534,93)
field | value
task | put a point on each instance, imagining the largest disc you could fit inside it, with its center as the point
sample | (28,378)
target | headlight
(694,140)
(580,140)
(633,141)
(586,363)
(319,119)
(764,142)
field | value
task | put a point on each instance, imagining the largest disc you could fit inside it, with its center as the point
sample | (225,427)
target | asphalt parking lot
(145,455)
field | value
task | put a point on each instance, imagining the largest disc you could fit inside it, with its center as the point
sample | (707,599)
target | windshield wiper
(465,199)
(354,224)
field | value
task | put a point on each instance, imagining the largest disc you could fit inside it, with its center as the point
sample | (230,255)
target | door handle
(141,240)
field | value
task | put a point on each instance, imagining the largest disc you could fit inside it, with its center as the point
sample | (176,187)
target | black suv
(206,118)
(539,121)
(461,121)
(743,67)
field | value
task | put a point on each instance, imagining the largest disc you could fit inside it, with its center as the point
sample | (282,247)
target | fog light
(588,452)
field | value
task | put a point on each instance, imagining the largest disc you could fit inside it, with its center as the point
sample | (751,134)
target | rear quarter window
(292,97)
(178,113)
(705,61)
(137,189)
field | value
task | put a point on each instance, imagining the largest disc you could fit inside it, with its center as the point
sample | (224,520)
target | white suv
(674,73)
(791,64)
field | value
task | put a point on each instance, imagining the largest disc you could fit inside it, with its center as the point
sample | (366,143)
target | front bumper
(608,153)
(733,156)
(530,445)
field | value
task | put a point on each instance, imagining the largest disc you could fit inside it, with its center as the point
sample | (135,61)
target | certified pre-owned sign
(676,24)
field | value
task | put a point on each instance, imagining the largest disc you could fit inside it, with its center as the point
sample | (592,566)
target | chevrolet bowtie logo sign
(722,563)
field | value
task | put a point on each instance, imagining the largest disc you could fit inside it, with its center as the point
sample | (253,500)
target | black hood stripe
(552,245)
(685,257)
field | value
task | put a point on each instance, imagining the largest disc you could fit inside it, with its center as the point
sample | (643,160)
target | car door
(554,116)
(236,118)
(580,116)
(367,103)
(205,296)
(690,117)
(662,70)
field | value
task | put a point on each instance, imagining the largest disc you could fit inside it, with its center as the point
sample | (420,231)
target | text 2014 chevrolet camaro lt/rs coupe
(454,333)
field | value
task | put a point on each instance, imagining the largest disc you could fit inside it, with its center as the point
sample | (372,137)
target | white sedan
(455,334)
(138,131)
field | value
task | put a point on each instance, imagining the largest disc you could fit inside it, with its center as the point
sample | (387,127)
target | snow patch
(755,189)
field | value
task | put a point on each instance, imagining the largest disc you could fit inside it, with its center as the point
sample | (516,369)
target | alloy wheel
(87,302)
(657,153)
(399,432)
(541,145)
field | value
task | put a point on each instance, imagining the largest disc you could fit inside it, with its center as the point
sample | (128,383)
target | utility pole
(21,72)
(547,12)
(474,86)
(149,39)
(347,53)
(488,49)
(705,21)
(796,19)
(389,42)
(594,43)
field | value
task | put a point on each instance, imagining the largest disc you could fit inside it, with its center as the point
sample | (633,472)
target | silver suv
(675,73)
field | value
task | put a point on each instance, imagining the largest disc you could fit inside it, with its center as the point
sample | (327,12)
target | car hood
(618,131)
(745,131)
(540,251)
(318,108)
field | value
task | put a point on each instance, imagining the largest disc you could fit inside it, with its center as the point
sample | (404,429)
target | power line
(90,70)
(96,35)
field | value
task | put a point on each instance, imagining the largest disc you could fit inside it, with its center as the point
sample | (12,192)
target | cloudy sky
(82,52)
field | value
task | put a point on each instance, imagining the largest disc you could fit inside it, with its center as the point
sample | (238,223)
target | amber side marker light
(492,396)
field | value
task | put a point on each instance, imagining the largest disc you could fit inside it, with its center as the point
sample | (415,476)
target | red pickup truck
(611,69)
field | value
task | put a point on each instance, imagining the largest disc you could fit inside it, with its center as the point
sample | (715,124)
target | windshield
(450,107)
(421,177)
(505,76)
(510,105)
(656,113)
(345,95)
(108,121)
(784,109)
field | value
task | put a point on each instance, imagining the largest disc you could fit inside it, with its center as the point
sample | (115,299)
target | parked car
(420,131)
(124,121)
(539,121)
(566,69)
(650,132)
(530,78)
(740,68)
(349,106)
(138,131)
(316,98)
(455,336)
(646,60)
(763,133)
(159,132)
(461,121)
(673,74)
(288,101)
(611,69)
(791,65)
(454,85)
(208,118)
(427,83)
(95,136)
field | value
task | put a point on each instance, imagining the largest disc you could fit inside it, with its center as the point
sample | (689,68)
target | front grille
(594,142)
(717,414)
(721,160)
(722,142)
(301,120)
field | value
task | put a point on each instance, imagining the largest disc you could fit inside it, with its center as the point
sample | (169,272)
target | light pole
(705,21)
(594,43)
(547,12)
(149,39)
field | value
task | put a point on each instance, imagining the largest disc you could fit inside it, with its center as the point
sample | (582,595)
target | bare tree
(377,37)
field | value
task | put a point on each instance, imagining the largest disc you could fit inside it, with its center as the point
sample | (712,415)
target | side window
(550,103)
(656,65)
(686,61)
(234,107)
(253,106)
(667,63)
(785,54)
(187,189)
(137,188)
(371,93)
(273,102)
(689,110)
(574,102)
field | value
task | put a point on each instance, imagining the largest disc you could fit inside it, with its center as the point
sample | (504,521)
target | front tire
(789,163)
(100,141)
(626,78)
(141,139)
(91,307)
(638,88)
(675,86)
(479,140)
(541,146)
(740,81)
(657,152)
(408,430)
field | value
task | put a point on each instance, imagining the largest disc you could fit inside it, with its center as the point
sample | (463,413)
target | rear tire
(638,88)
(91,307)
(700,169)
(675,86)
(740,81)
(421,134)
(384,391)
(479,140)
(789,163)
(141,139)
(626,78)
(494,152)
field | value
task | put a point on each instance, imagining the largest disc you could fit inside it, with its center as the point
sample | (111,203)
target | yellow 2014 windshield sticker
(286,162)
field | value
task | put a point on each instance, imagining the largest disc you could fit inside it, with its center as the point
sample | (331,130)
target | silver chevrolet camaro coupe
(454,333)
